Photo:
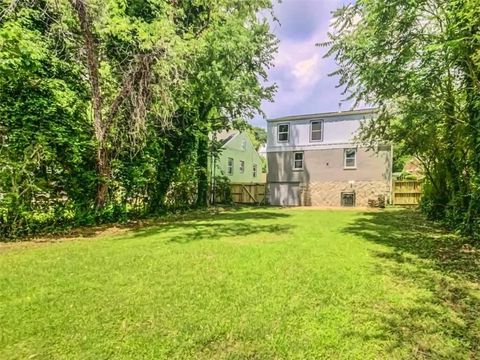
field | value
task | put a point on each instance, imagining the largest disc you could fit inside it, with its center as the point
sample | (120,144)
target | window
(254,172)
(316,130)
(230,166)
(350,158)
(242,166)
(244,144)
(298,160)
(283,132)
(348,199)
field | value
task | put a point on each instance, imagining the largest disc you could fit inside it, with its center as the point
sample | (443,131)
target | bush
(222,192)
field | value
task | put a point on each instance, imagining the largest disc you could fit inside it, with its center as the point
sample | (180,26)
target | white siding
(338,130)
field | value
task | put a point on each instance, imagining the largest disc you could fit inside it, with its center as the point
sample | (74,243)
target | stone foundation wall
(329,193)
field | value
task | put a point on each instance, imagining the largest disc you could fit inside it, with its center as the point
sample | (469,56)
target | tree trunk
(178,147)
(103,173)
(202,171)
(103,162)
(472,212)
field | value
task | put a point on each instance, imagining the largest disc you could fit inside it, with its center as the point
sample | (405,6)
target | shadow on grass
(407,232)
(216,226)
(440,264)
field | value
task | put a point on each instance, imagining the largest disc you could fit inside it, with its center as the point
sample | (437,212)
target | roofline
(325,115)
(237,132)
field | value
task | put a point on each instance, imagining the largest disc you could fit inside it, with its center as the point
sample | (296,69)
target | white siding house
(314,160)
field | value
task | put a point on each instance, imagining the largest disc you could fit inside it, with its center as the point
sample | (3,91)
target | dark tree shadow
(407,232)
(221,225)
(153,223)
(444,264)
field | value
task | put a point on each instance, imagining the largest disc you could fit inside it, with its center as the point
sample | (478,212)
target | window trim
(345,166)
(278,133)
(241,167)
(321,121)
(230,168)
(254,170)
(243,145)
(294,160)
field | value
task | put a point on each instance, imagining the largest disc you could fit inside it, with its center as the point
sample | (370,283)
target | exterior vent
(348,199)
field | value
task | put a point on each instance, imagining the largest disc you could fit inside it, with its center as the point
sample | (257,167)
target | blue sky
(301,72)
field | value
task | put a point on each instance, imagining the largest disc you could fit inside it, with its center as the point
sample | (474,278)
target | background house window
(244,145)
(298,160)
(283,132)
(316,130)
(350,158)
(254,172)
(230,166)
(242,166)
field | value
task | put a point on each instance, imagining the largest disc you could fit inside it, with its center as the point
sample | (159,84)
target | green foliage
(169,73)
(46,144)
(418,62)
(222,190)
(257,135)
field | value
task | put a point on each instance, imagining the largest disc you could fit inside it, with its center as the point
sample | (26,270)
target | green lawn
(246,284)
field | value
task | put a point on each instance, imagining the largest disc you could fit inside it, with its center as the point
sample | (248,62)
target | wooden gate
(254,193)
(407,192)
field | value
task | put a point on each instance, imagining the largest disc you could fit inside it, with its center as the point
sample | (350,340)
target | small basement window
(350,158)
(230,166)
(283,130)
(348,199)
(297,160)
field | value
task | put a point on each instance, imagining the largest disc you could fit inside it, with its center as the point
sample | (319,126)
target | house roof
(225,136)
(325,115)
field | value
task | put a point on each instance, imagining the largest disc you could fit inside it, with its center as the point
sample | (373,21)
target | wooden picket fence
(407,192)
(255,193)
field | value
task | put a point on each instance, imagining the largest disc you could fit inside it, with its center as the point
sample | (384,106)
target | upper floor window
(242,166)
(350,158)
(283,130)
(254,172)
(316,130)
(230,166)
(297,160)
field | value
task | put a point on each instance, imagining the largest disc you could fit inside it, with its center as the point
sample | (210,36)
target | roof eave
(324,115)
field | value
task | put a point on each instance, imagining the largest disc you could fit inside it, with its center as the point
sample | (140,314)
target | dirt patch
(86,233)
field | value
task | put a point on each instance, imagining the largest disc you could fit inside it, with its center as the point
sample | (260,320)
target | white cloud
(307,72)
(300,70)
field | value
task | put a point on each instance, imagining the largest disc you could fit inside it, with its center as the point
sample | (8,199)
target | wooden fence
(255,193)
(242,193)
(407,192)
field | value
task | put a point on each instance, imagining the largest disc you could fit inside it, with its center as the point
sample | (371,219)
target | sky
(301,72)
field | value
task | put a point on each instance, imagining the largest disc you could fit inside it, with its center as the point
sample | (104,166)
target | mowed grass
(247,284)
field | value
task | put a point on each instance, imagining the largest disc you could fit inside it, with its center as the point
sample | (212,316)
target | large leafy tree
(107,105)
(224,79)
(418,62)
(46,145)
(229,85)
(127,48)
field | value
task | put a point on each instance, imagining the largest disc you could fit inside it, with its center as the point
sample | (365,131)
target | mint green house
(238,160)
